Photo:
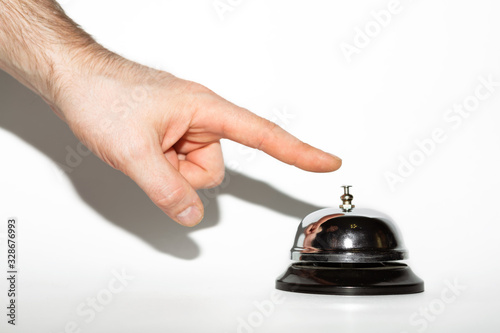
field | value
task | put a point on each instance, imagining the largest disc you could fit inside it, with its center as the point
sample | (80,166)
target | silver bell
(349,251)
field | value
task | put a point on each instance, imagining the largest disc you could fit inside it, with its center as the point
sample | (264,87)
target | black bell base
(383,278)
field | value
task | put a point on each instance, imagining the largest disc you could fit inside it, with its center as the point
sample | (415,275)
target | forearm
(39,44)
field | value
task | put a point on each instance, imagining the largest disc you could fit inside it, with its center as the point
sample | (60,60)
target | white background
(274,58)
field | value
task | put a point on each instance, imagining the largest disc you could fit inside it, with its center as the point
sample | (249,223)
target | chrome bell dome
(349,251)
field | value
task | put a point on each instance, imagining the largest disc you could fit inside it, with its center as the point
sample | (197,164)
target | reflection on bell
(349,251)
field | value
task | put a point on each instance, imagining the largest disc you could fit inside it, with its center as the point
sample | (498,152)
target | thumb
(167,188)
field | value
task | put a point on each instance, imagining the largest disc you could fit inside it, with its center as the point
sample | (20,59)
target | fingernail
(335,156)
(190,217)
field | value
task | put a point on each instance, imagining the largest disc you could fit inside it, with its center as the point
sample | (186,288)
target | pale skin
(161,131)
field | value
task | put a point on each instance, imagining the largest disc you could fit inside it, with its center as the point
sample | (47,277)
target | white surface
(273,57)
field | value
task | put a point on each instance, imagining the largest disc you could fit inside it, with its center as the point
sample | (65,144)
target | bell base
(383,278)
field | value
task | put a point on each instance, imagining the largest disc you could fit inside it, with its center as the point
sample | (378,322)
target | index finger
(240,125)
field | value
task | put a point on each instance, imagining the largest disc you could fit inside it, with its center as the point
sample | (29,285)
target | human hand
(164,132)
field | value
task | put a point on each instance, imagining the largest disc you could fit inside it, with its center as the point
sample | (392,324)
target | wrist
(72,70)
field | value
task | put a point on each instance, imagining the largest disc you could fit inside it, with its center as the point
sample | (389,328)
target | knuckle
(186,87)
(194,87)
(269,129)
(168,198)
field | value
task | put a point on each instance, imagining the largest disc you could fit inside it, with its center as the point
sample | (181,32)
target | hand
(161,131)
(164,132)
